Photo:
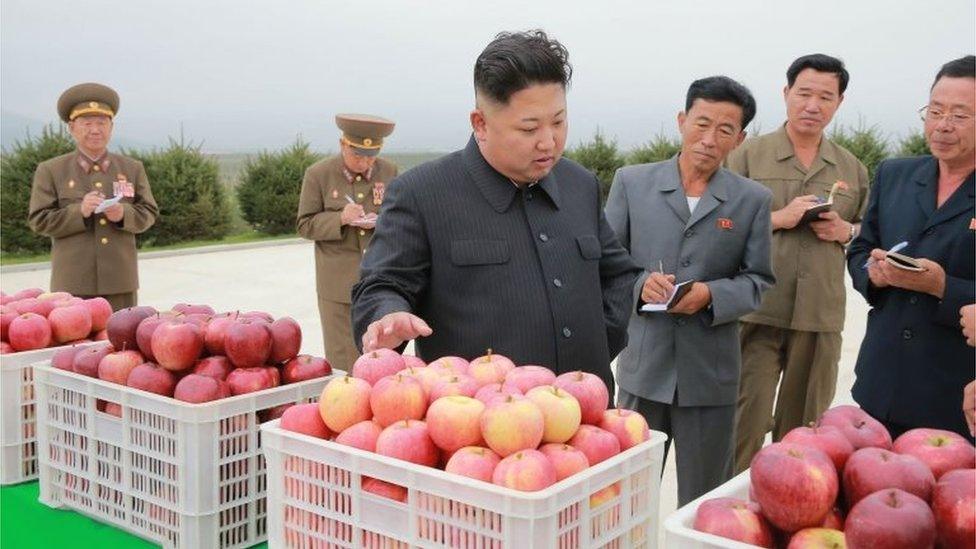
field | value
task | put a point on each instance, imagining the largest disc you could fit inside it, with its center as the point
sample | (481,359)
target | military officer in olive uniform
(340,199)
(93,247)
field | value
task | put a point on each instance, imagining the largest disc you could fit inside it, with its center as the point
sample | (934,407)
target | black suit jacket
(535,274)
(914,361)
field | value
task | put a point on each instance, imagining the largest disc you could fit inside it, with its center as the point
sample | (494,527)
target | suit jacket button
(557,283)
(913,300)
(685,263)
(689,232)
(104,240)
(567,332)
(906,334)
(362,232)
(98,184)
(544,237)
(102,221)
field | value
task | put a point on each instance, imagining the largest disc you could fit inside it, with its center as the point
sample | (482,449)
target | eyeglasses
(933,114)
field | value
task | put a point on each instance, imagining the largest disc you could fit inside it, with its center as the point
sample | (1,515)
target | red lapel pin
(725,223)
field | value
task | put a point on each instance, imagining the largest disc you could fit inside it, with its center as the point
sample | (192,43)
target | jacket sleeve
(139,215)
(867,239)
(741,293)
(45,216)
(315,222)
(618,271)
(395,271)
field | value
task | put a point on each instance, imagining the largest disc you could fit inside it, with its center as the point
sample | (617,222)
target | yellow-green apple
(512,424)
(488,393)
(305,367)
(100,310)
(890,519)
(474,462)
(122,326)
(827,438)
(344,402)
(196,389)
(859,428)
(954,507)
(250,380)
(871,469)
(362,435)
(377,364)
(525,470)
(597,444)
(29,331)
(305,419)
(410,441)
(818,538)
(490,368)
(176,344)
(795,486)
(589,390)
(628,426)
(86,361)
(941,450)
(565,459)
(189,309)
(527,377)
(248,343)
(214,366)
(455,422)
(384,489)
(560,412)
(734,519)
(449,366)
(395,398)
(286,339)
(152,378)
(217,330)
(457,384)
(115,367)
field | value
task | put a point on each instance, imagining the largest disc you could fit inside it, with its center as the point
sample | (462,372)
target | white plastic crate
(178,474)
(18,435)
(678,531)
(315,501)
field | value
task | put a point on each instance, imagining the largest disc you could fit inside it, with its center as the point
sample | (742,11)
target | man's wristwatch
(851,236)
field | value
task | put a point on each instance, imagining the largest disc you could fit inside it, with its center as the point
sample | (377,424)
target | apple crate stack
(482,454)
(157,433)
(34,325)
(842,482)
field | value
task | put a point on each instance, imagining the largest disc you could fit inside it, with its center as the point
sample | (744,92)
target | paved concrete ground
(280,279)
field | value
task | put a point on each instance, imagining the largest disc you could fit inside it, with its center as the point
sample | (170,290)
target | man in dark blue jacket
(914,361)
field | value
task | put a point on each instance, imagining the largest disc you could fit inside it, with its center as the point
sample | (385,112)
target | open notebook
(680,290)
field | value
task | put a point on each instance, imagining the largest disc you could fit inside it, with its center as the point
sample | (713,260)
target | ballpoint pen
(896,248)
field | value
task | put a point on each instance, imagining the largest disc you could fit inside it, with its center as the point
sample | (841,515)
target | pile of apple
(519,427)
(916,492)
(192,354)
(34,319)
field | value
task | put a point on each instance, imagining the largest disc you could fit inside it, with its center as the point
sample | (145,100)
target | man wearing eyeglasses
(914,361)
(794,340)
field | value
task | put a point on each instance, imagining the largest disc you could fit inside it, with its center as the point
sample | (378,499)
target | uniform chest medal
(122,187)
(335,193)
(378,189)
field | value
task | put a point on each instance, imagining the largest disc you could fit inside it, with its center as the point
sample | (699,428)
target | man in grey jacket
(502,244)
(688,219)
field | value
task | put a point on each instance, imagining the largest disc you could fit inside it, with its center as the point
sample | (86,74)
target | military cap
(364,132)
(87,98)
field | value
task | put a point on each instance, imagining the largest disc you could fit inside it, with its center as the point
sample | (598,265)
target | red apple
(218,367)
(29,331)
(257,316)
(413,361)
(145,330)
(152,378)
(362,435)
(377,364)
(344,402)
(796,486)
(250,380)
(473,462)
(818,538)
(560,412)
(491,368)
(488,393)
(589,390)
(5,319)
(512,424)
(525,470)
(628,426)
(196,389)
(597,444)
(940,450)
(115,367)
(449,365)
(410,441)
(122,326)
(188,309)
(305,419)
(286,339)
(176,344)
(100,310)
(26,293)
(859,427)
(458,384)
(112,409)
(5,348)
(527,377)
(87,360)
(826,438)
(101,335)
(395,398)
(871,469)
(890,519)
(53,296)
(248,343)
(217,330)
(565,459)
(384,489)
(69,323)
(834,520)
(954,506)
(455,422)
(305,367)
(733,519)
(64,358)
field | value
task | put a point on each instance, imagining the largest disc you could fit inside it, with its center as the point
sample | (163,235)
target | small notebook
(903,262)
(107,203)
(680,290)
(813,212)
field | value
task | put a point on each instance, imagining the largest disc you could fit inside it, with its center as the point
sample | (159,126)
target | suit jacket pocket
(479,252)
(589,246)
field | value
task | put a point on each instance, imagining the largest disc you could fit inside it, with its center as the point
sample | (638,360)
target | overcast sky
(243,76)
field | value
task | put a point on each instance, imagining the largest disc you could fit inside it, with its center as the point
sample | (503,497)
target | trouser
(702,437)
(118,301)
(340,347)
(807,363)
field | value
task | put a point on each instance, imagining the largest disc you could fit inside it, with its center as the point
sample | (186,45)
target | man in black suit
(502,244)
(914,362)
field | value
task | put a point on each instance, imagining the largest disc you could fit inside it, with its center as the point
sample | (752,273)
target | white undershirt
(692,202)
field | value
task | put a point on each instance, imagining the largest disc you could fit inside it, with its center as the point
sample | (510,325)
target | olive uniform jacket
(92,256)
(339,249)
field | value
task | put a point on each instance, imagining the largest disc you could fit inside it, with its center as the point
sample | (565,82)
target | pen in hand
(660,266)
(896,248)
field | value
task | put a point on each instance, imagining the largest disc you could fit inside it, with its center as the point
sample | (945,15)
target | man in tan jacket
(340,199)
(93,245)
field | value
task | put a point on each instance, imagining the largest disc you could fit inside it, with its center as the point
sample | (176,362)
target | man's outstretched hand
(392,330)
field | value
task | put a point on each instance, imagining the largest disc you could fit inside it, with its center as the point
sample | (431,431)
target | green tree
(17,168)
(192,202)
(865,142)
(601,157)
(661,147)
(913,144)
(270,186)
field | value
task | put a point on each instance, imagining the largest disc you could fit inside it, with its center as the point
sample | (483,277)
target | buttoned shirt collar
(87,164)
(498,189)
(784,147)
(351,177)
